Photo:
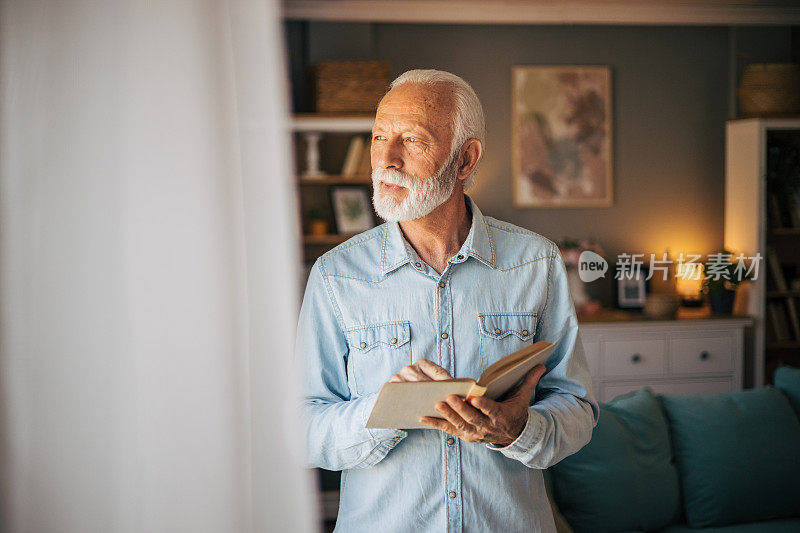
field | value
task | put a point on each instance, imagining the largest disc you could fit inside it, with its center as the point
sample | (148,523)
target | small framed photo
(352,209)
(632,292)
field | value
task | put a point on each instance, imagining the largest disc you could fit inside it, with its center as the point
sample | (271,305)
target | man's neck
(441,234)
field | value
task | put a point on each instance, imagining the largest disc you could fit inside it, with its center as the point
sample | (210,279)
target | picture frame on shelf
(352,209)
(631,293)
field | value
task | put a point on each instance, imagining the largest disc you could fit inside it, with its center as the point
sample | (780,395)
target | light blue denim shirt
(372,306)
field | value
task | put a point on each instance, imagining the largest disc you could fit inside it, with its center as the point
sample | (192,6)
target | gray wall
(672,92)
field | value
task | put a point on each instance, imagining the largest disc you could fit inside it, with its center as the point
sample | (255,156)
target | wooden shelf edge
(783,294)
(323,122)
(326,239)
(785,231)
(782,345)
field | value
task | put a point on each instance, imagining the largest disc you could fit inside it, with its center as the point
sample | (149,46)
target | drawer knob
(636,358)
(704,355)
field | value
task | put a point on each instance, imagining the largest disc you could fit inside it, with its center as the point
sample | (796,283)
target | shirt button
(524,331)
(441,284)
(418,265)
(394,341)
(451,441)
(363,344)
(460,257)
(497,331)
(452,494)
(444,335)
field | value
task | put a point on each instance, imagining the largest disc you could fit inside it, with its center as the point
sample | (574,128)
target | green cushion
(624,479)
(738,455)
(787,379)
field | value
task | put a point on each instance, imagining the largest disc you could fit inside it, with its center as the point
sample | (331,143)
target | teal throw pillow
(787,379)
(738,455)
(624,479)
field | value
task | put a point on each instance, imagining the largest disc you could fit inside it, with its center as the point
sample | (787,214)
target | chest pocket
(504,333)
(377,352)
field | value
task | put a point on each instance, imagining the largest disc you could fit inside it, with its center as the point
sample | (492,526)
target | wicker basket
(770,89)
(349,86)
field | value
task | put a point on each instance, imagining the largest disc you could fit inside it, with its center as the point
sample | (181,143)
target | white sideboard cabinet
(695,354)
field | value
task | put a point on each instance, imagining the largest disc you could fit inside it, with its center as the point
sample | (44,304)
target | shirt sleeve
(336,438)
(564,411)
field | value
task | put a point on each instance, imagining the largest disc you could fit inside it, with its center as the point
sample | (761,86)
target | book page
(503,375)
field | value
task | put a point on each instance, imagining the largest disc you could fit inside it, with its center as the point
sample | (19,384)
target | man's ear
(469,155)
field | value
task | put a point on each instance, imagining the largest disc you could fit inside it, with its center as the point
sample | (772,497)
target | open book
(400,405)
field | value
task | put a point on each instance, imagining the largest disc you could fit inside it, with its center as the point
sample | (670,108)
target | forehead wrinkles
(405,107)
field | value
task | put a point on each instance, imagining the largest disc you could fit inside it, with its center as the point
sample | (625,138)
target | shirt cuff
(531,435)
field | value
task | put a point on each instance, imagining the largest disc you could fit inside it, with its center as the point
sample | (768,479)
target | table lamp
(689,284)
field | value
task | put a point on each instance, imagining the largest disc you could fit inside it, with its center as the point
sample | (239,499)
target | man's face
(413,171)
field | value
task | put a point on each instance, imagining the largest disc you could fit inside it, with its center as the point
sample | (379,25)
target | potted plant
(721,280)
(317,217)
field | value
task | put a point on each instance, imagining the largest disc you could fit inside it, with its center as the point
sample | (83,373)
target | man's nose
(386,155)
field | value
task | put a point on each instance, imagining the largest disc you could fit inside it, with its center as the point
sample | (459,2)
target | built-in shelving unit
(334,132)
(762,216)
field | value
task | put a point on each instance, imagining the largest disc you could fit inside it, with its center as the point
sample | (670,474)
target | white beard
(423,195)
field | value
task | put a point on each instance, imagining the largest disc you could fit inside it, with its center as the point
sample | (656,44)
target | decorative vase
(317,227)
(721,301)
(661,306)
(577,289)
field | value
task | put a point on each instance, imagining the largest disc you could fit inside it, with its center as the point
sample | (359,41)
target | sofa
(722,463)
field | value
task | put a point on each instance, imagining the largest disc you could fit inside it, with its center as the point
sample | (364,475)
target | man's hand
(422,370)
(485,420)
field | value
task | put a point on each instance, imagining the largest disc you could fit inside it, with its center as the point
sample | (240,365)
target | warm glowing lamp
(689,283)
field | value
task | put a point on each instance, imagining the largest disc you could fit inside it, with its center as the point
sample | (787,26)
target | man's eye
(377,138)
(411,139)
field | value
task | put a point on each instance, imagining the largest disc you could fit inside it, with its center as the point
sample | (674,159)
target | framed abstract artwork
(561,136)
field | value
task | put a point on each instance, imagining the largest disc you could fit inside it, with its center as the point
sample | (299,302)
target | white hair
(468,122)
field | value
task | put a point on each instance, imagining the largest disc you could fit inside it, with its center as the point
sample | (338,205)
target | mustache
(393,177)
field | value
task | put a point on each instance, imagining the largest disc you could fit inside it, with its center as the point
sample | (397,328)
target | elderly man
(439,290)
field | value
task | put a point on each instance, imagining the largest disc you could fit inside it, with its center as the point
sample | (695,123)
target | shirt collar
(395,252)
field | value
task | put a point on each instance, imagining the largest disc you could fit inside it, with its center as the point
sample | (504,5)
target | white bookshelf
(746,228)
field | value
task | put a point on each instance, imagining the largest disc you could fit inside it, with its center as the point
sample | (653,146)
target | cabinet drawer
(610,391)
(591,347)
(635,357)
(698,355)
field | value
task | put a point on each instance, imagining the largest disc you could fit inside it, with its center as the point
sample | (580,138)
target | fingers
(432,370)
(438,423)
(490,408)
(449,414)
(422,370)
(412,373)
(465,411)
(528,385)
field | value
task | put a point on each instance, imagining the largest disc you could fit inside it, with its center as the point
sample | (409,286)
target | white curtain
(148,262)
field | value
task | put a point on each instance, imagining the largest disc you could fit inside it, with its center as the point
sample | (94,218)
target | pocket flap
(390,334)
(501,325)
